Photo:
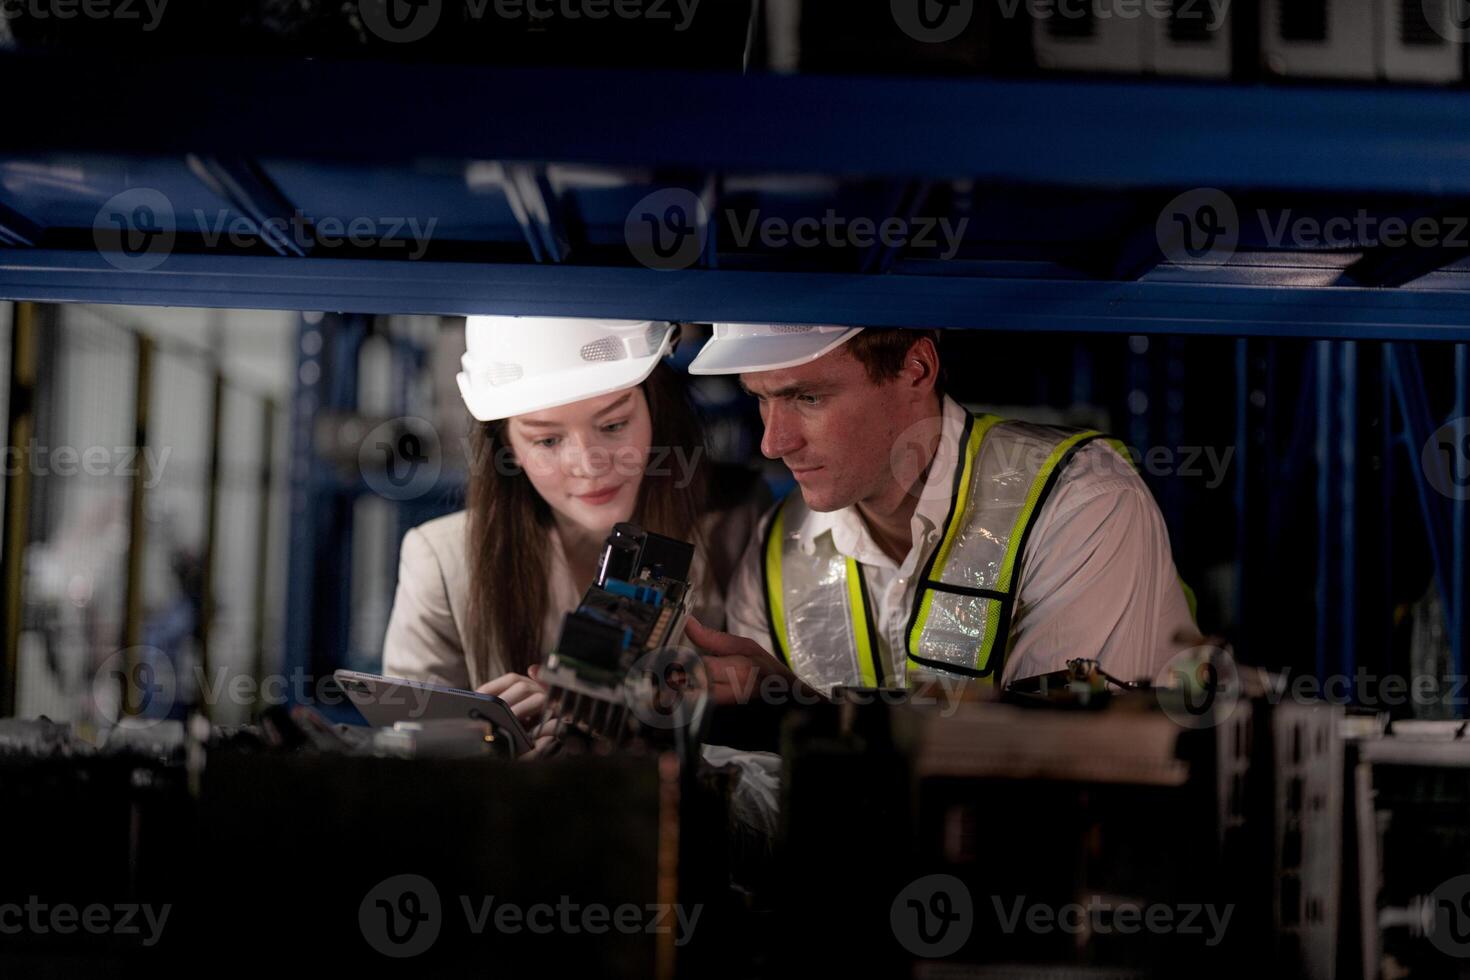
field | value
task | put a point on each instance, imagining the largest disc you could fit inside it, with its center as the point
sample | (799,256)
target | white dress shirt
(1097,576)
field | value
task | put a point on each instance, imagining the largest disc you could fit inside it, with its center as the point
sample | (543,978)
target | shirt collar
(850,534)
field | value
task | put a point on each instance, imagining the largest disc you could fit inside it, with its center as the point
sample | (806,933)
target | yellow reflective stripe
(981,426)
(1013,546)
(1190,599)
(774,591)
(857,604)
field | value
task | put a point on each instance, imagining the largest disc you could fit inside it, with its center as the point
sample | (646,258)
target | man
(925,541)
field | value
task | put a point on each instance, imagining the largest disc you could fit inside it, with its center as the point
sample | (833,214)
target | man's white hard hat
(740,348)
(514,365)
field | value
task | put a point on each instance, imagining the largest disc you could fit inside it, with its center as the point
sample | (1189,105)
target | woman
(580,426)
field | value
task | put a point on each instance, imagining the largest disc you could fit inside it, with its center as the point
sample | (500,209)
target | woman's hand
(525,696)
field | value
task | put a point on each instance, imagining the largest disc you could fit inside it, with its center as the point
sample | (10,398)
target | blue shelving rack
(532,174)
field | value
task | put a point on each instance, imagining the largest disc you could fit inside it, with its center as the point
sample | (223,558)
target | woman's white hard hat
(514,365)
(743,348)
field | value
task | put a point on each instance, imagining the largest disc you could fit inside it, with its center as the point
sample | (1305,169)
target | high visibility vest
(818,605)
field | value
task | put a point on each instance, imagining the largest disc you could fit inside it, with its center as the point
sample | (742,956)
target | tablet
(383,701)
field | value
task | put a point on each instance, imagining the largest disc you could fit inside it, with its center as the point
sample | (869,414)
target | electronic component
(614,674)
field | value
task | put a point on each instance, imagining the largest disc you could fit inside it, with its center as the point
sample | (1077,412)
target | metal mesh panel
(604,349)
(504,374)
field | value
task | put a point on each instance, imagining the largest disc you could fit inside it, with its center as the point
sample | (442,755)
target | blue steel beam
(242,183)
(1148,306)
(1123,133)
(904,202)
(16,230)
(534,204)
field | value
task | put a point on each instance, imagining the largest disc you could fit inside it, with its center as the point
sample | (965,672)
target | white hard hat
(738,348)
(519,364)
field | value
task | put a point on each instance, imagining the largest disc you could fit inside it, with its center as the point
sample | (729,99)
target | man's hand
(736,665)
(524,695)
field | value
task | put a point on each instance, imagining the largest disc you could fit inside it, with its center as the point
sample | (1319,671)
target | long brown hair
(510,524)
